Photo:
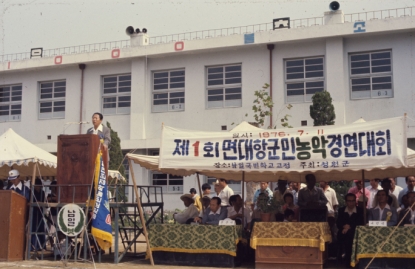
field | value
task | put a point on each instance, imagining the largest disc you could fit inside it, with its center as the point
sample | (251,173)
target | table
(290,244)
(401,245)
(196,245)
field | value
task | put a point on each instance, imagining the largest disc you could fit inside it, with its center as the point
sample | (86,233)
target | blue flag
(101,218)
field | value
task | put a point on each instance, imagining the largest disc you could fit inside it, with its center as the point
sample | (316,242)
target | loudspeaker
(144,30)
(334,6)
(129,30)
(137,30)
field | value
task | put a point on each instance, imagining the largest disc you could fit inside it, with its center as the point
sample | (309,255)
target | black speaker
(129,30)
(334,6)
(144,30)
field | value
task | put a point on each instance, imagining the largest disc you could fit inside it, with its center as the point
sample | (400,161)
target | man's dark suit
(346,240)
(407,219)
(105,134)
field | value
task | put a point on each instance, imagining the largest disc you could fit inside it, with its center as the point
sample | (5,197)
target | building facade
(207,82)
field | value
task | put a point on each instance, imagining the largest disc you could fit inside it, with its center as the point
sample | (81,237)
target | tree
(262,107)
(322,112)
(322,109)
(116,159)
(115,152)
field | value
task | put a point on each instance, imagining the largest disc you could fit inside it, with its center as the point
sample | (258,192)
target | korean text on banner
(101,218)
(355,146)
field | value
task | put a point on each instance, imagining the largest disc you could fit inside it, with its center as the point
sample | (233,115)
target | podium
(12,225)
(76,164)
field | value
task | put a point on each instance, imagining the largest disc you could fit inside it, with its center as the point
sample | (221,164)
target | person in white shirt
(186,217)
(395,189)
(235,210)
(373,189)
(332,204)
(225,193)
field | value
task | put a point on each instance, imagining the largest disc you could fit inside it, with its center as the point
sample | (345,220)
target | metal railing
(380,14)
(213,33)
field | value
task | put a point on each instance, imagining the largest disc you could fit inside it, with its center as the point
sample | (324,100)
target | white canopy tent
(17,152)
(400,162)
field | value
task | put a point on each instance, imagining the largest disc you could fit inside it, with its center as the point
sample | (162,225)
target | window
(371,75)
(168,91)
(303,78)
(169,183)
(52,99)
(117,94)
(224,86)
(10,102)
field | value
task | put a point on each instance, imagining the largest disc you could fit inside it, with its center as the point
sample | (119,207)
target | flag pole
(140,209)
(200,192)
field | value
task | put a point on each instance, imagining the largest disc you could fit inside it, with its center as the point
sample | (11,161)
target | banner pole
(140,209)
(200,192)
(243,200)
(364,196)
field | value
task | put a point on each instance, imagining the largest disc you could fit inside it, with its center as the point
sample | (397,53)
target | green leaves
(322,109)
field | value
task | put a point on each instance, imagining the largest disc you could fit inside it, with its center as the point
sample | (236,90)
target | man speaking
(100,130)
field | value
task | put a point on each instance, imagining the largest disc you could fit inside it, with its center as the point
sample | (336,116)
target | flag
(101,218)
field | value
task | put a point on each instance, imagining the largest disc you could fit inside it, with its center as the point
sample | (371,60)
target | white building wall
(141,129)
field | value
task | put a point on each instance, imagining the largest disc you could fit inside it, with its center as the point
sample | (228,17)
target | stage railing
(125,221)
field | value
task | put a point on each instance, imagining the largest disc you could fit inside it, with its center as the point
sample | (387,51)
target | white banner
(367,145)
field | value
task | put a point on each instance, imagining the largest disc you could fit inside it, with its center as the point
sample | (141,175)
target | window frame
(370,75)
(11,103)
(117,95)
(169,91)
(303,80)
(223,87)
(54,114)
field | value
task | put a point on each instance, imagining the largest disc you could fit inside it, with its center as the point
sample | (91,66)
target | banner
(366,145)
(101,218)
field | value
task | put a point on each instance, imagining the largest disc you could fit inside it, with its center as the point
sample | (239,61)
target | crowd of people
(383,200)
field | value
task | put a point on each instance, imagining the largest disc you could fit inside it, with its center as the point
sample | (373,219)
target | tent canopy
(17,152)
(115,174)
(381,145)
(151,163)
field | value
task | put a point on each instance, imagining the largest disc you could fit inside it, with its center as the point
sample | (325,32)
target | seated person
(214,213)
(289,215)
(235,210)
(391,199)
(189,213)
(405,202)
(289,204)
(205,203)
(408,214)
(383,211)
(348,218)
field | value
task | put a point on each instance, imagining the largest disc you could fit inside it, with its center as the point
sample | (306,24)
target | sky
(26,24)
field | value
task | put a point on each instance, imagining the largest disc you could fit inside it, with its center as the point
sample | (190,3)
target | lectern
(76,164)
(12,225)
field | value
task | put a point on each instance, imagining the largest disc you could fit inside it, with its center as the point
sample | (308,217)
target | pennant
(101,218)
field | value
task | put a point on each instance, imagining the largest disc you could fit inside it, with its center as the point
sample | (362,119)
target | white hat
(13,174)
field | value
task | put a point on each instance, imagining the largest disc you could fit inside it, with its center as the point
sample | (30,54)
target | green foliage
(322,109)
(341,188)
(267,205)
(116,156)
(262,109)
(116,159)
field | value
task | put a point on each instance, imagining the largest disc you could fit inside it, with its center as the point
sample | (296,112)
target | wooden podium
(12,225)
(76,164)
